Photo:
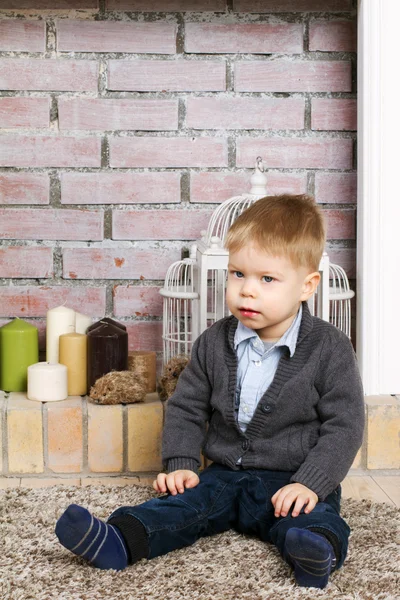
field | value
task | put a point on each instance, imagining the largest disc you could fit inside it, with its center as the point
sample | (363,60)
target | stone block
(25,434)
(144,436)
(105,445)
(65,438)
(383,423)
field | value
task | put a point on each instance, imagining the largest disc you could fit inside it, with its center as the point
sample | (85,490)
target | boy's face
(265,292)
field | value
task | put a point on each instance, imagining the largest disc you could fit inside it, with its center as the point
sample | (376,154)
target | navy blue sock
(84,535)
(311,556)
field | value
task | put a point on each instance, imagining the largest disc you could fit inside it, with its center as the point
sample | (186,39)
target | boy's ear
(310,284)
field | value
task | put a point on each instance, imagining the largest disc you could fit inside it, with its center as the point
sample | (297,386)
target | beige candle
(73,354)
(144,363)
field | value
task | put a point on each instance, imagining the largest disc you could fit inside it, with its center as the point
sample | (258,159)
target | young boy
(281,394)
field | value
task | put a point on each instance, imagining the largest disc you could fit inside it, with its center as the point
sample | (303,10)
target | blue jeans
(226,499)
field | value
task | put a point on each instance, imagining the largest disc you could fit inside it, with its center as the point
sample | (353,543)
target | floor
(381,486)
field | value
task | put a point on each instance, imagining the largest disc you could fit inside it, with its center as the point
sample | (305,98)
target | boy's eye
(267,278)
(238,274)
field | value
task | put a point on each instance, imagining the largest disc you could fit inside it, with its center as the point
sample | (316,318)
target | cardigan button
(266,408)
(246,444)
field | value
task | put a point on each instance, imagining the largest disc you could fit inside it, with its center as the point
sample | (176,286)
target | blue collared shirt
(257,364)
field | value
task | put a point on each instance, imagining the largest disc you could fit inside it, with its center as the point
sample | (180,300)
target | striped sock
(311,556)
(84,535)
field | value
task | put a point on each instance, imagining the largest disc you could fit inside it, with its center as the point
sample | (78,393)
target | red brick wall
(121,131)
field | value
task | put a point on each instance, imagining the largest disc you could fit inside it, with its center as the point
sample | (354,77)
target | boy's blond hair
(286,225)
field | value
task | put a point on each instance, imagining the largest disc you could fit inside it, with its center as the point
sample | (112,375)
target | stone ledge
(75,438)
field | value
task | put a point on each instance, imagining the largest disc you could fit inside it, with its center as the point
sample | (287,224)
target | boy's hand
(175,482)
(294,492)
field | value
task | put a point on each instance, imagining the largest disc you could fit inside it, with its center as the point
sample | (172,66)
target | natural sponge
(170,375)
(119,387)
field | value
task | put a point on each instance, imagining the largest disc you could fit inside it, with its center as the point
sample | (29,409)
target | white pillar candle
(82,322)
(47,382)
(58,321)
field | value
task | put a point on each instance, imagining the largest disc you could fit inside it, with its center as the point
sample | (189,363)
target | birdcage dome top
(228,211)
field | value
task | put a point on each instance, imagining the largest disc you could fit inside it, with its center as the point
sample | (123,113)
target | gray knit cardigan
(310,421)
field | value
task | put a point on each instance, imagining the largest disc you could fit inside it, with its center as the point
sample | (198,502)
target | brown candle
(72,354)
(144,363)
(107,350)
(105,320)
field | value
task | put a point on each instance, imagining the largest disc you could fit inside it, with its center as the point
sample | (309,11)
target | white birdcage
(178,309)
(194,290)
(212,258)
(340,296)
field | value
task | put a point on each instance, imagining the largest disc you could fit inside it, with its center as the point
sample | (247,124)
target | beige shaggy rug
(228,566)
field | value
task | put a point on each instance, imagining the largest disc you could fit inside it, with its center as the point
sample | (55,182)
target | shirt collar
(289,338)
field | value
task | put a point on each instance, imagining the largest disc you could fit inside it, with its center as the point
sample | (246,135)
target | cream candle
(19,348)
(73,353)
(82,322)
(59,320)
(47,382)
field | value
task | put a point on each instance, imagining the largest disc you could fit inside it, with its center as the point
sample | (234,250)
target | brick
(116,36)
(167,5)
(48,75)
(105,445)
(26,262)
(333,36)
(137,301)
(341,224)
(168,152)
(47,482)
(65,439)
(338,188)
(293,76)
(145,335)
(49,151)
(337,114)
(218,186)
(34,301)
(245,113)
(119,188)
(296,153)
(167,75)
(24,188)
(117,263)
(254,38)
(271,6)
(25,434)
(50,224)
(50,4)
(144,436)
(383,450)
(345,257)
(159,224)
(105,115)
(22,36)
(24,112)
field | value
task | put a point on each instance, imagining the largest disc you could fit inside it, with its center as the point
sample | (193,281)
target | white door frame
(378,226)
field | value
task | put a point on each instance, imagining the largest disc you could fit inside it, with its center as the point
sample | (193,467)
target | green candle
(19,348)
